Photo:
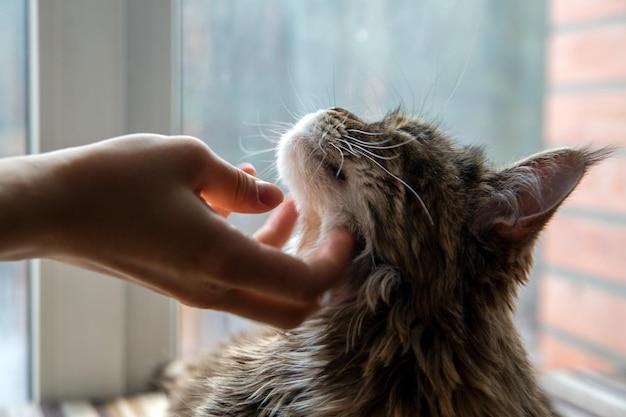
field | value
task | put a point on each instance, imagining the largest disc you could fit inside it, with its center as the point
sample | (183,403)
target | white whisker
(262,136)
(286,125)
(342,158)
(349,150)
(348,147)
(382,142)
(373,154)
(319,166)
(406,185)
(364,132)
(376,145)
(270,172)
(249,153)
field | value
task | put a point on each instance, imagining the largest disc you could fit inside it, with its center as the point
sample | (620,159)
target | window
(248,67)
(14,318)
(231,73)
(100,73)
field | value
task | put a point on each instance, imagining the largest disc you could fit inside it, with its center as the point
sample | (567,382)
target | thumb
(233,189)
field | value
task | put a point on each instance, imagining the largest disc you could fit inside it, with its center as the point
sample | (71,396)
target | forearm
(23,210)
(150,209)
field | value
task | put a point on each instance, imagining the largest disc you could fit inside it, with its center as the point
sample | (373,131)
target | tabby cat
(422,324)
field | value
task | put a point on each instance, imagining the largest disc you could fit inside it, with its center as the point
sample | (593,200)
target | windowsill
(586,394)
(146,405)
(573,394)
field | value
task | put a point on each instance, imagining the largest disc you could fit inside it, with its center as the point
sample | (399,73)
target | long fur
(422,324)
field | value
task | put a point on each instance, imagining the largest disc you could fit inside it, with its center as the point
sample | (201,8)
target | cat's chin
(309,236)
(316,225)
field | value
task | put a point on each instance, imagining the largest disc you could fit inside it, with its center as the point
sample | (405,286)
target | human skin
(152,210)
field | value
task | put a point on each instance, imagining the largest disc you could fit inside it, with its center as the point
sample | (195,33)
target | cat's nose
(344,113)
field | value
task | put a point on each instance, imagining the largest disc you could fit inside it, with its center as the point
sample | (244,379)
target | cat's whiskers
(249,153)
(363,142)
(286,125)
(277,134)
(271,133)
(349,142)
(362,132)
(376,145)
(349,150)
(277,129)
(343,158)
(269,172)
(319,166)
(324,153)
(411,189)
(363,150)
(347,146)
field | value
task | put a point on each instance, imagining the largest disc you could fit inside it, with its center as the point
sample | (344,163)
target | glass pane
(13,279)
(474,67)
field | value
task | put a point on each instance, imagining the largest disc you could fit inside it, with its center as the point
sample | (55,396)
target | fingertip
(266,193)
(248,168)
(269,194)
(236,189)
(340,244)
(279,226)
(257,307)
(285,214)
(290,204)
(344,236)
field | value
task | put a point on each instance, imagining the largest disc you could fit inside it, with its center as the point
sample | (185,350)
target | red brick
(587,56)
(603,189)
(591,247)
(577,11)
(587,313)
(585,118)
(557,354)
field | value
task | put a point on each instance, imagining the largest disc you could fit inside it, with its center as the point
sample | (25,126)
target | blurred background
(512,76)
(14,343)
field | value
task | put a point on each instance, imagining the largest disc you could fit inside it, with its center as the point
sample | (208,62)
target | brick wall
(582,290)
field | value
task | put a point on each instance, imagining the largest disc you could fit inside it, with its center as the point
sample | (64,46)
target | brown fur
(422,325)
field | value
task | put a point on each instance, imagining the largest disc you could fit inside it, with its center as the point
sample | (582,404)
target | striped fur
(422,325)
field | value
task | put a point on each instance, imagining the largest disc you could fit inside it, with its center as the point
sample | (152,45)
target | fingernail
(269,194)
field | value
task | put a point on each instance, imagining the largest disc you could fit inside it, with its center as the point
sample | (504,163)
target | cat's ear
(521,199)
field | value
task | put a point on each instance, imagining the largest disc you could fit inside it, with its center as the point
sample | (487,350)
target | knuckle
(191,153)
(242,186)
(210,295)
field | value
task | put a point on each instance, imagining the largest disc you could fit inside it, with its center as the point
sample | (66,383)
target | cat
(422,323)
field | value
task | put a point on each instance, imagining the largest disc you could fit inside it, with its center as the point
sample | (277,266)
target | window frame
(96,70)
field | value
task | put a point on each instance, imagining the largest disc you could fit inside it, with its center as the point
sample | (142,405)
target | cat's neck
(417,363)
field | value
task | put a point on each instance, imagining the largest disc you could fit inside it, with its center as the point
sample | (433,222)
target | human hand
(150,209)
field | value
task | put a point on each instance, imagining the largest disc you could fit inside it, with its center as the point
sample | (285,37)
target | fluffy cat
(422,325)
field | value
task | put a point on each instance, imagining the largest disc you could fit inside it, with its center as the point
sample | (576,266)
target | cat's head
(439,220)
